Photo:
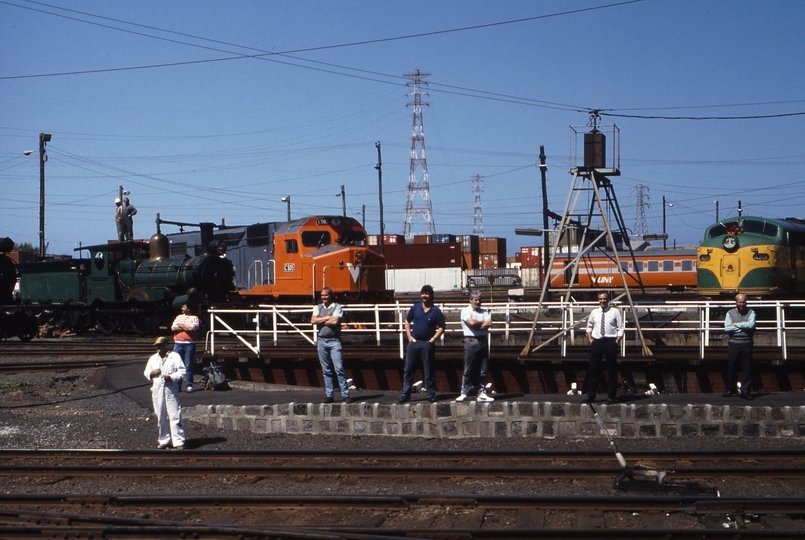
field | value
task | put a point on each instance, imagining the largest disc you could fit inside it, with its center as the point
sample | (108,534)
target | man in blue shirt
(740,325)
(428,326)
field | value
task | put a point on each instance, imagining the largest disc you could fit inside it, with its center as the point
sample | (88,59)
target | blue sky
(168,99)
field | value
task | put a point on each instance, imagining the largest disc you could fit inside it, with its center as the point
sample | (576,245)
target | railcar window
(761,227)
(352,238)
(667,266)
(721,229)
(653,266)
(687,266)
(291,246)
(625,266)
(316,239)
(640,266)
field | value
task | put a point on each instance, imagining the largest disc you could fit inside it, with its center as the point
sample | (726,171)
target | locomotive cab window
(761,227)
(291,246)
(316,239)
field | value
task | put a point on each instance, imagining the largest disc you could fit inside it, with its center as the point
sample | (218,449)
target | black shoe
(404,398)
(433,399)
(727,394)
(328,399)
(609,401)
(350,399)
(588,400)
(747,397)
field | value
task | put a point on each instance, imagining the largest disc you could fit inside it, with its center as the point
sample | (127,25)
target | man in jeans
(475,323)
(327,319)
(185,333)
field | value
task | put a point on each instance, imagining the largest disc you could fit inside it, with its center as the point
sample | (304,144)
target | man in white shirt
(165,369)
(475,323)
(604,333)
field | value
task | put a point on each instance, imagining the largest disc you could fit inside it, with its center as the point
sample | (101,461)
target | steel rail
(173,464)
(583,518)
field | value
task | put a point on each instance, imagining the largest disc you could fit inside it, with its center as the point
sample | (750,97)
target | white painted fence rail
(702,320)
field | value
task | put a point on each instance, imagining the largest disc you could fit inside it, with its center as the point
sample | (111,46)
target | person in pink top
(185,333)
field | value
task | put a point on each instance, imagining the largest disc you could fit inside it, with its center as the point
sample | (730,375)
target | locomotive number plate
(289,267)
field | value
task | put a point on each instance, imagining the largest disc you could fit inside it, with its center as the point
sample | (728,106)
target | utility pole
(44,138)
(363,215)
(664,235)
(543,169)
(343,200)
(379,168)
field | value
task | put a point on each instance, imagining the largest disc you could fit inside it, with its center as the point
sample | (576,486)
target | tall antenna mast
(640,226)
(416,186)
(478,219)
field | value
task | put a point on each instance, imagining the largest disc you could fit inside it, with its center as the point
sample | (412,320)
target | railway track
(400,516)
(540,464)
(211,494)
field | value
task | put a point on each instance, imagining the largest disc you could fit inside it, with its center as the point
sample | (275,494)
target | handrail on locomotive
(700,321)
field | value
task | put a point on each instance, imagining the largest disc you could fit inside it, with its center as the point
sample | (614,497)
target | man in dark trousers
(604,333)
(739,324)
(428,326)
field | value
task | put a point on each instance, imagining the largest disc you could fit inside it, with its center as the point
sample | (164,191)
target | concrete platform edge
(548,420)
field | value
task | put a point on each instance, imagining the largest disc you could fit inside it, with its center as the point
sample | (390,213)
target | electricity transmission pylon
(417,186)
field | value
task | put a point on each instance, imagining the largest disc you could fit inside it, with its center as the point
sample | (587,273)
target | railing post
(274,320)
(400,329)
(508,322)
(377,323)
(212,333)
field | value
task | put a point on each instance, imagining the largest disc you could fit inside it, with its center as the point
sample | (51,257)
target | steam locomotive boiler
(125,286)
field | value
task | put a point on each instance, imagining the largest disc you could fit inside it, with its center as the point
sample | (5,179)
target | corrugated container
(530,277)
(443,238)
(503,278)
(488,244)
(410,280)
(469,243)
(490,260)
(423,239)
(422,255)
(393,239)
(470,259)
(531,256)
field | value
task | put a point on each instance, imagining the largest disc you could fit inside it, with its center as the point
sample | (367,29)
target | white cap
(117,201)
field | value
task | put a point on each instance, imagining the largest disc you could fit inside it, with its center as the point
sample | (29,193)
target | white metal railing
(562,321)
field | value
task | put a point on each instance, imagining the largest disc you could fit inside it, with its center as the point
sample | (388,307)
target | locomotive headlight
(341,264)
(730,242)
(358,258)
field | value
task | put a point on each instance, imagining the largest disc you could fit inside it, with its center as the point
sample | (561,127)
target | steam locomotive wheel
(108,324)
(145,325)
(30,330)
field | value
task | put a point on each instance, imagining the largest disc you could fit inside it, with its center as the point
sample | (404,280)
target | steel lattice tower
(416,187)
(478,219)
(640,226)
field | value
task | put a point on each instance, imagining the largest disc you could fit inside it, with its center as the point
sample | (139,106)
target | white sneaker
(189,389)
(461,398)
(483,397)
(417,387)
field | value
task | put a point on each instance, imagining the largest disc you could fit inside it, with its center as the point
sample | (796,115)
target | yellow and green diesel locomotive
(753,255)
